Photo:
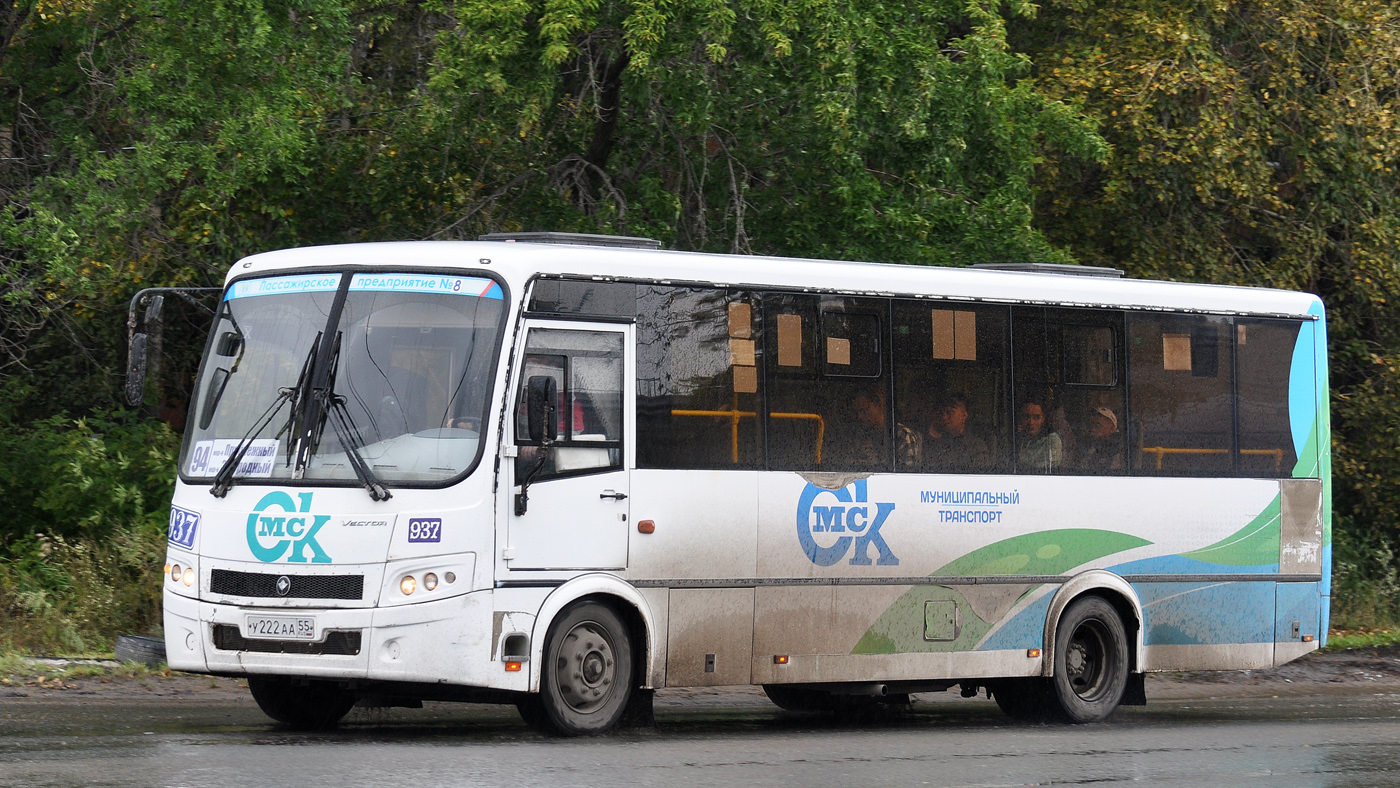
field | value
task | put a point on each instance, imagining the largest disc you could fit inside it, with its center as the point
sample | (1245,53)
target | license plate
(280,628)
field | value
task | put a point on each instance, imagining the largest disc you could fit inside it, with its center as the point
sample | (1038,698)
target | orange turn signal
(1307,638)
(780,659)
(512,667)
(646,527)
(1032,653)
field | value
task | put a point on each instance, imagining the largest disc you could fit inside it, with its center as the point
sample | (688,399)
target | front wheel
(587,676)
(1091,661)
(312,706)
(1026,699)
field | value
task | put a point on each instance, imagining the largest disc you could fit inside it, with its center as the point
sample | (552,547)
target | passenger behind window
(950,445)
(1038,451)
(909,440)
(1101,451)
(867,449)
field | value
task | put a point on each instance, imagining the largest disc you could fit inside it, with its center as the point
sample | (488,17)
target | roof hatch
(575,239)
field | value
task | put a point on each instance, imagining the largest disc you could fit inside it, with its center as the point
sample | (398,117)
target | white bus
(564,471)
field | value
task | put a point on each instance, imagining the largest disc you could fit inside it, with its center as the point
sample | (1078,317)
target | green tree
(1254,142)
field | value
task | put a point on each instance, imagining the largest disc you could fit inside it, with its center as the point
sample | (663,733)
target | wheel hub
(587,669)
(1084,659)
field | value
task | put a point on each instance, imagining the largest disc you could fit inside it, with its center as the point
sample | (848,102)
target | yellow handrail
(1163,451)
(735,414)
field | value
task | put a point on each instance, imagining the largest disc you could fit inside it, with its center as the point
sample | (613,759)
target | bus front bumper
(447,641)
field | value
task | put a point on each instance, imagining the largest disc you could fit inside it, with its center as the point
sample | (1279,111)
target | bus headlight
(430,581)
(408,585)
(187,577)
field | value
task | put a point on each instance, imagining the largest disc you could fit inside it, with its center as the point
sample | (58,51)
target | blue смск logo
(845,518)
(290,532)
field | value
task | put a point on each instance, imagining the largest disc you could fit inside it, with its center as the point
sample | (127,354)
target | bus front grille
(338,642)
(262,584)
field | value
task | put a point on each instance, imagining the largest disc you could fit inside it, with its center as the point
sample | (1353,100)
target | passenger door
(576,511)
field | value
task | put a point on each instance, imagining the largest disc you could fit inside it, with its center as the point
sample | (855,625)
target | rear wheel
(587,676)
(1091,661)
(310,706)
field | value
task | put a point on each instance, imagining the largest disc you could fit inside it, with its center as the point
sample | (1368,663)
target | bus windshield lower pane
(411,364)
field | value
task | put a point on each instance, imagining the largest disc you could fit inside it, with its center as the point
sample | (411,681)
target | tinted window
(571,297)
(1265,352)
(828,400)
(697,378)
(952,398)
(1183,395)
(1069,412)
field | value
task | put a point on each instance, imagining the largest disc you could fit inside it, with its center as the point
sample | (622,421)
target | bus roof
(517,262)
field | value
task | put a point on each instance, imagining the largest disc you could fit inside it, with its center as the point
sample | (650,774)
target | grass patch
(17,670)
(1343,639)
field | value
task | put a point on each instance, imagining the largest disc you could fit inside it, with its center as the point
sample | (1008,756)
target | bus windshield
(406,360)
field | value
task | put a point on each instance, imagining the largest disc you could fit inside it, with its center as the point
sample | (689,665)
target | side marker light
(1307,638)
(780,659)
(1032,653)
(512,667)
(646,527)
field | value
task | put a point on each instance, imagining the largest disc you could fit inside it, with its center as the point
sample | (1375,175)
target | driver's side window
(587,370)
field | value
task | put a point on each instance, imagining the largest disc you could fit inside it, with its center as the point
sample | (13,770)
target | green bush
(85,507)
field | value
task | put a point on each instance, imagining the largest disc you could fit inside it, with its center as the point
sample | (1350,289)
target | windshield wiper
(333,409)
(223,480)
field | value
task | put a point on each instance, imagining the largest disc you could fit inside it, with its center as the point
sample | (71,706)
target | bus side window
(951,389)
(1182,384)
(828,401)
(1265,352)
(587,368)
(1069,410)
(698,378)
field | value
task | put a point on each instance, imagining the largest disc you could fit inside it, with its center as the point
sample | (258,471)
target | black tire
(586,679)
(531,710)
(148,650)
(1091,661)
(313,706)
(798,698)
(1023,699)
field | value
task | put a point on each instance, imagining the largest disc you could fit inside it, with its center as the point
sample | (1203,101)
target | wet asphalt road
(1349,738)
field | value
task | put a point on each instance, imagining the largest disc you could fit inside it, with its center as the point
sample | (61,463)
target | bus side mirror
(541,394)
(136,370)
(228,344)
(135,390)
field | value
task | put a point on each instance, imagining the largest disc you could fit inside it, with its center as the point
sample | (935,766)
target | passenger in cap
(1101,452)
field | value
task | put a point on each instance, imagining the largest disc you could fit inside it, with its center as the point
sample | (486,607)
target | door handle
(616,496)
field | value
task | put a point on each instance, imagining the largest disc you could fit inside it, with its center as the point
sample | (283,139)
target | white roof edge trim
(516,263)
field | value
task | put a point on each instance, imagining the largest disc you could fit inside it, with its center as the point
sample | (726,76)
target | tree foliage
(1254,142)
(154,142)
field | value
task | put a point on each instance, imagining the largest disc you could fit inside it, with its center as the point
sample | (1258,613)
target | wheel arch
(1117,591)
(612,591)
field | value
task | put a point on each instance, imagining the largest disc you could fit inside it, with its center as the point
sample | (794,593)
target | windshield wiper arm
(223,480)
(347,433)
(333,409)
